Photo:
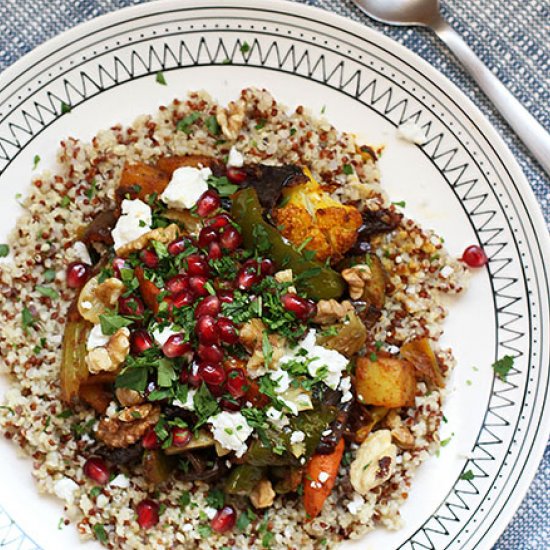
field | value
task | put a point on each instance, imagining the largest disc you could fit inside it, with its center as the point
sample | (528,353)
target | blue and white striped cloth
(513,39)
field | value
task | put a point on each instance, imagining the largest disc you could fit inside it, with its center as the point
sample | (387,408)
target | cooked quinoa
(60,439)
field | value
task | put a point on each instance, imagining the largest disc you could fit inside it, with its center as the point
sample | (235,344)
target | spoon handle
(533,134)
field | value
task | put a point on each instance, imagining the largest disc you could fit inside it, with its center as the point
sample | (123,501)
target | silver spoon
(426,13)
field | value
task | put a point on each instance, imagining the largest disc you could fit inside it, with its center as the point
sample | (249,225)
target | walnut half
(231,119)
(110,357)
(356,277)
(95,297)
(125,429)
(330,311)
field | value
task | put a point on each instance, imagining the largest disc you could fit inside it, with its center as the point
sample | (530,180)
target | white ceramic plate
(462,181)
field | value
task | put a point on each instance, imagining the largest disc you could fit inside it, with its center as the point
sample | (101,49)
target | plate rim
(469,109)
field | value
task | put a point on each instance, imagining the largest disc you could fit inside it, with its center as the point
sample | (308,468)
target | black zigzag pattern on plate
(375,92)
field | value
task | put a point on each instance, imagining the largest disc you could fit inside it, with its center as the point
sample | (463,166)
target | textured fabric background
(511,36)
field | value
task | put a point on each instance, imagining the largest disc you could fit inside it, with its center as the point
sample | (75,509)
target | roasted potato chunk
(387,382)
(311,216)
(420,354)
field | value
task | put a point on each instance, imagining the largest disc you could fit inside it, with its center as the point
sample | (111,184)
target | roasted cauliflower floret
(312,216)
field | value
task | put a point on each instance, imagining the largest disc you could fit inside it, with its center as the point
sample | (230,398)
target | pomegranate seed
(196,284)
(474,256)
(96,469)
(140,341)
(147,513)
(236,175)
(267,267)
(194,378)
(130,305)
(178,246)
(207,330)
(119,264)
(183,298)
(177,283)
(224,520)
(149,258)
(197,265)
(212,374)
(77,274)
(210,353)
(301,307)
(206,236)
(231,404)
(247,278)
(150,440)
(230,239)
(215,251)
(208,306)
(228,331)
(208,204)
(226,296)
(237,384)
(180,436)
(176,346)
(219,221)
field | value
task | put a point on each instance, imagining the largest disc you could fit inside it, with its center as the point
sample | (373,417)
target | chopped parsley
(91,192)
(184,125)
(215,498)
(95,491)
(226,61)
(35,162)
(260,124)
(100,533)
(402,204)
(111,322)
(4,250)
(222,185)
(468,475)
(160,78)
(184,500)
(28,319)
(347,169)
(245,47)
(204,531)
(47,291)
(503,366)
(212,125)
(65,108)
(65,201)
(205,404)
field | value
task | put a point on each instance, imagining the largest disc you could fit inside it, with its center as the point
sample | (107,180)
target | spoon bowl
(402,12)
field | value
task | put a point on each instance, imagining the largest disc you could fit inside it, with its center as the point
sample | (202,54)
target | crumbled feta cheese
(345,388)
(231,430)
(189,403)
(326,432)
(80,251)
(112,409)
(135,221)
(235,158)
(321,357)
(394,350)
(323,476)
(162,334)
(295,400)
(277,418)
(86,305)
(446,271)
(65,488)
(120,481)
(411,132)
(96,338)
(186,187)
(355,505)
(282,380)
(210,512)
(297,437)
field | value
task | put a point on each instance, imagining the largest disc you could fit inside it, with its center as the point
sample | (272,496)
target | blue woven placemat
(513,39)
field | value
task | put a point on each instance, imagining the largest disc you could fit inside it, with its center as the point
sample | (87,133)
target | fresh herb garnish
(212,125)
(35,162)
(100,533)
(65,201)
(65,108)
(184,125)
(204,531)
(95,491)
(245,47)
(402,204)
(260,124)
(215,498)
(47,291)
(4,250)
(503,366)
(111,322)
(28,319)
(468,475)
(347,169)
(91,192)
(222,185)
(160,78)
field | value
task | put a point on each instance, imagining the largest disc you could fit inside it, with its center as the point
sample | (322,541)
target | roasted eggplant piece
(374,223)
(350,337)
(99,229)
(420,354)
(157,467)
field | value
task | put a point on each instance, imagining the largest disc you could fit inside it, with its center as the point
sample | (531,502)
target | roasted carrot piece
(149,291)
(139,180)
(317,486)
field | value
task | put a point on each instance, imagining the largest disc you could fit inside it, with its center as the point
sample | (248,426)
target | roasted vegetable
(157,467)
(169,164)
(374,416)
(200,440)
(385,381)
(73,370)
(350,336)
(191,223)
(98,396)
(149,291)
(288,479)
(139,180)
(269,181)
(373,286)
(328,441)
(259,454)
(313,219)
(99,229)
(374,222)
(313,423)
(242,479)
(316,487)
(320,282)
(420,354)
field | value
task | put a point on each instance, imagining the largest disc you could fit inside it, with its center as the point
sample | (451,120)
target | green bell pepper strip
(313,278)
